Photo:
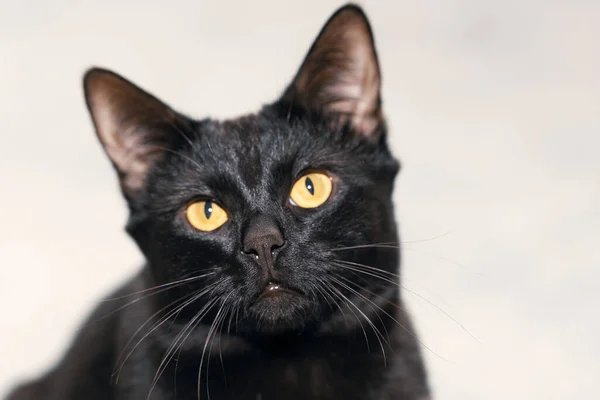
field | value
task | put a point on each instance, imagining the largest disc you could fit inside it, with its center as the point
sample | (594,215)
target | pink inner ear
(341,73)
(132,157)
(126,120)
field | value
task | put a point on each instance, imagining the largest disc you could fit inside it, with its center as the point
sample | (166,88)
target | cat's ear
(340,74)
(132,125)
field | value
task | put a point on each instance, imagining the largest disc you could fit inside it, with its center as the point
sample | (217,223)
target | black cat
(272,260)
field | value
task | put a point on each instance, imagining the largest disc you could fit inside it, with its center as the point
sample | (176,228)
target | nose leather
(262,238)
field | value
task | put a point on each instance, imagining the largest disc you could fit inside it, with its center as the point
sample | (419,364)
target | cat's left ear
(134,127)
(340,75)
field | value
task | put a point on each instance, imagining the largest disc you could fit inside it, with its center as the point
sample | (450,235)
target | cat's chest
(273,378)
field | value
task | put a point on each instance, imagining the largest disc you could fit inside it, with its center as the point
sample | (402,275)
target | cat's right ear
(132,125)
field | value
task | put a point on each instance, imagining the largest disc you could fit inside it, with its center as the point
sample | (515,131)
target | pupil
(309,186)
(208,209)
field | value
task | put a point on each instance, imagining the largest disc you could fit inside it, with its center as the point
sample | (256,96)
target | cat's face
(264,207)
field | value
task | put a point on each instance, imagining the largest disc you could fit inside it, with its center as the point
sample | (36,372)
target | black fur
(308,345)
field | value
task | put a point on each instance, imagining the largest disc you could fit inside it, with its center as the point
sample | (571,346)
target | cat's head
(264,207)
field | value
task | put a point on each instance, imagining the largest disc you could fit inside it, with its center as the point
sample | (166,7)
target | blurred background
(494,108)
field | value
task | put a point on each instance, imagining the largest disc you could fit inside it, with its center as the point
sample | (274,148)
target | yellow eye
(311,190)
(206,215)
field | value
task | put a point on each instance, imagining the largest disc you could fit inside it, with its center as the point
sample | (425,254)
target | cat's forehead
(254,143)
(252,132)
(266,141)
(264,153)
(244,153)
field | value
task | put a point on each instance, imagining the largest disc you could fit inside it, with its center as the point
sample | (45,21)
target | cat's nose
(263,237)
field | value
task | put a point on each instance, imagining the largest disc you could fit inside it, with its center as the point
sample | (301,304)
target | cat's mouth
(275,289)
(276,308)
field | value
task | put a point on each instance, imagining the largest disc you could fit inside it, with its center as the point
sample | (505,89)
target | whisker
(345,300)
(412,334)
(324,296)
(448,260)
(117,370)
(220,329)
(371,304)
(373,274)
(427,239)
(327,291)
(237,305)
(385,245)
(186,137)
(169,284)
(289,112)
(369,267)
(175,153)
(391,245)
(378,334)
(210,332)
(145,296)
(179,340)
(161,322)
(237,311)
(191,330)
(397,276)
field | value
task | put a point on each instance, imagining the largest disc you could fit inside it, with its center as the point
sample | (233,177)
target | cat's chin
(280,310)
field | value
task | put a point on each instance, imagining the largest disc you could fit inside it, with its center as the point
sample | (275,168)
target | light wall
(494,108)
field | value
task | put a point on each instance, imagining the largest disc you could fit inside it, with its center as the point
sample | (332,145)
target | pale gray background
(495,112)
